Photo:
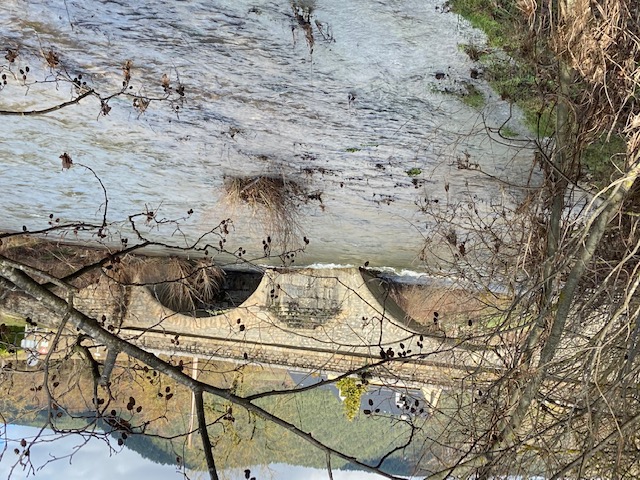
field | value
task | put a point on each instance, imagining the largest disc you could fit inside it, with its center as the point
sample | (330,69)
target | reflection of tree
(154,449)
(350,392)
(250,439)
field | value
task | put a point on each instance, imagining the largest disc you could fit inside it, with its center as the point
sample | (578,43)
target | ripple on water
(257,101)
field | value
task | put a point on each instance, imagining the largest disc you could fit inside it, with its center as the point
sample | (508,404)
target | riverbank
(522,69)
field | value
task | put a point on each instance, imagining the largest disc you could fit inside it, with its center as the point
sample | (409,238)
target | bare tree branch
(204,435)
(55,108)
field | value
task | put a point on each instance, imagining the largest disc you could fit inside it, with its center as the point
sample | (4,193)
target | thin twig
(50,109)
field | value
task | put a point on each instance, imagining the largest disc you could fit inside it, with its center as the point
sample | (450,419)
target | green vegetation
(37,417)
(352,392)
(11,333)
(352,149)
(508,132)
(414,172)
(517,78)
(321,412)
(488,16)
(513,76)
(472,97)
(604,159)
(517,82)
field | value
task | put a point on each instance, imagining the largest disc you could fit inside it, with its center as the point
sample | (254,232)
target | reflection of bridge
(334,320)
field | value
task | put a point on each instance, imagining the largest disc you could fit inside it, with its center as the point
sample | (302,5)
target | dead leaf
(66,161)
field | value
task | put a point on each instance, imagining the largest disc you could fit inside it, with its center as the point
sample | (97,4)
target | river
(344,117)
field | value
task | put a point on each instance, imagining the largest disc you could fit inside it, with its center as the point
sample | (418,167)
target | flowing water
(343,102)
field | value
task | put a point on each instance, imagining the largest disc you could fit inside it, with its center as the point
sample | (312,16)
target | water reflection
(96,461)
(241,442)
(93,460)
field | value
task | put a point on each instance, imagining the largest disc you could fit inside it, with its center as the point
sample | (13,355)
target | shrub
(351,391)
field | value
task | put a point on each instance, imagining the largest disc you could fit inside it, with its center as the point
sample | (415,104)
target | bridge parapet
(414,373)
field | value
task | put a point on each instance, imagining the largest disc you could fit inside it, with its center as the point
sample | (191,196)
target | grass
(485,15)
(508,132)
(604,159)
(414,172)
(516,82)
(515,79)
(474,52)
(472,97)
(271,192)
(513,76)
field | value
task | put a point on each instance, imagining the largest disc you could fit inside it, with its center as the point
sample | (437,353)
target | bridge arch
(235,288)
(302,299)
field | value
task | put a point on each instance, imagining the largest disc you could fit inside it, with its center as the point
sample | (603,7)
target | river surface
(343,108)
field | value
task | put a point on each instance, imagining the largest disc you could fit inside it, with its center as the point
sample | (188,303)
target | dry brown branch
(44,111)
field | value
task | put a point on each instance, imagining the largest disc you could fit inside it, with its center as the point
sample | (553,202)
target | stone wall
(331,319)
(334,319)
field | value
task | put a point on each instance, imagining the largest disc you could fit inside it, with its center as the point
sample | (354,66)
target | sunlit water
(346,120)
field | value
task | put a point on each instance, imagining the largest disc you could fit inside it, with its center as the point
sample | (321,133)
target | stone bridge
(332,320)
(329,320)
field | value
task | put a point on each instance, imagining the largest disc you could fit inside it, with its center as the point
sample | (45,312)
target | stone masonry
(331,319)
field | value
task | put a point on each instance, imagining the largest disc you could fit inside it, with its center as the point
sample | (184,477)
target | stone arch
(236,288)
(378,289)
